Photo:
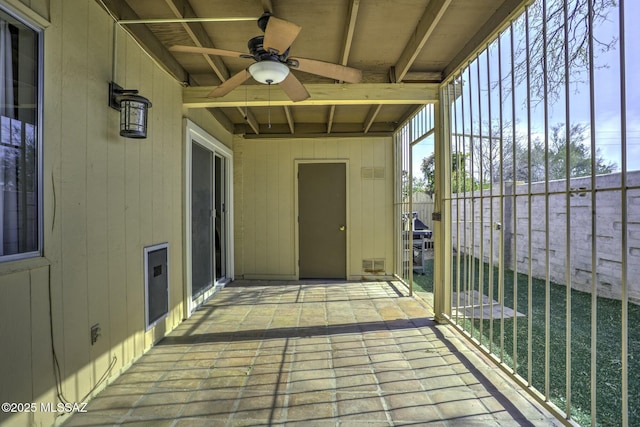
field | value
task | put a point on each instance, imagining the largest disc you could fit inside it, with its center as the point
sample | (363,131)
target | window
(20,76)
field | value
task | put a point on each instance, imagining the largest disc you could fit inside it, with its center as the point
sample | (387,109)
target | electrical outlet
(95,333)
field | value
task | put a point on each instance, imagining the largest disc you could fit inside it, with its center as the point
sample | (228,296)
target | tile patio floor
(313,354)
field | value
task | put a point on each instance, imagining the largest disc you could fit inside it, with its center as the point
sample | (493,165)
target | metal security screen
(414,200)
(544,142)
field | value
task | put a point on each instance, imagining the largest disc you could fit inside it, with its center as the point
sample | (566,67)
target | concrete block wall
(491,223)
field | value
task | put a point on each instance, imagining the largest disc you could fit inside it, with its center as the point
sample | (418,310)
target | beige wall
(105,198)
(40,7)
(264,191)
(205,120)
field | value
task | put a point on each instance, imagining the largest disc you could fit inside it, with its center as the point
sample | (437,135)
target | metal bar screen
(544,138)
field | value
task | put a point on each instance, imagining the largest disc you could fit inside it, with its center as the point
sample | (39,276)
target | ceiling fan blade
(229,85)
(206,51)
(294,89)
(280,34)
(326,69)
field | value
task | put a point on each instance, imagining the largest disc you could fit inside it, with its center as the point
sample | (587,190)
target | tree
(493,159)
(546,50)
(488,152)
(419,184)
(461,179)
(530,164)
(579,160)
(428,168)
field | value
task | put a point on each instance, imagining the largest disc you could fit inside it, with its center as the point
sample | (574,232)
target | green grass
(424,282)
(608,349)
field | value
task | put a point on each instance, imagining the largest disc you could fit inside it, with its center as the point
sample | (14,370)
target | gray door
(322,204)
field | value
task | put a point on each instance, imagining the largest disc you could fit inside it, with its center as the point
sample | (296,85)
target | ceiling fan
(272,62)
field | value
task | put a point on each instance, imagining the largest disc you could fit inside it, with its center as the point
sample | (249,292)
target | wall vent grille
(375,172)
(374,266)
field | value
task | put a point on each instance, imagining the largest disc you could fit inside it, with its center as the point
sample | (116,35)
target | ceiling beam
(423,76)
(496,23)
(371,117)
(346,49)
(221,118)
(332,113)
(250,119)
(321,94)
(287,112)
(407,114)
(432,15)
(387,134)
(316,129)
(121,10)
(197,33)
(267,6)
(348,34)
(200,37)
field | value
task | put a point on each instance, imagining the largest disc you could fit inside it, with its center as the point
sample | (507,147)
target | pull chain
(246,104)
(269,102)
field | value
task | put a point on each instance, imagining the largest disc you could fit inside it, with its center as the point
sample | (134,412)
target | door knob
(342,228)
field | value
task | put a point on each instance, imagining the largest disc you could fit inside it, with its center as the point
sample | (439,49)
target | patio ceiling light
(269,72)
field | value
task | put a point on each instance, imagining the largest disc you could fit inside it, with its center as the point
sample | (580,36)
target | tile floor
(312,354)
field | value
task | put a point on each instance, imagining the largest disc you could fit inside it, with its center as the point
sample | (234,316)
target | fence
(608,236)
(423,206)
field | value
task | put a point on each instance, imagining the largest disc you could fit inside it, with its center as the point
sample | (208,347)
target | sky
(608,101)
(607,91)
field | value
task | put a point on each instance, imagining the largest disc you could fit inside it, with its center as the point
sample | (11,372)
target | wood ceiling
(404,48)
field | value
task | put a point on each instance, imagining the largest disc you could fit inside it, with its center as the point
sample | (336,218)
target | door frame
(195,134)
(296,232)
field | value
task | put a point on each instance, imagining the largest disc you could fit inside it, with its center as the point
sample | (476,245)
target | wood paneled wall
(264,191)
(40,7)
(105,199)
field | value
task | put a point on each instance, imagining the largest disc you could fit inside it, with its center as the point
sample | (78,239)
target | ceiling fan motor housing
(263,20)
(259,53)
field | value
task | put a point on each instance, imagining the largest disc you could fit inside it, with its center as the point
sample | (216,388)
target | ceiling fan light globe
(269,72)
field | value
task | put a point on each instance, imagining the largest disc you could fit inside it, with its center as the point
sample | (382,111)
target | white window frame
(37,24)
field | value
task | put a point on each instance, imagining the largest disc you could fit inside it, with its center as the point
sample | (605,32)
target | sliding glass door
(208,219)
(202,223)
(220,223)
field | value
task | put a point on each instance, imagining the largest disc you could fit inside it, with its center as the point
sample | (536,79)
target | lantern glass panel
(133,118)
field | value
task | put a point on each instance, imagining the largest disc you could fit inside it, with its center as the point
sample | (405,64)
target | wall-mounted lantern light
(133,110)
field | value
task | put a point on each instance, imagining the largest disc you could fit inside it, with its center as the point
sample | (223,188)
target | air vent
(373,266)
(376,172)
(156,279)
